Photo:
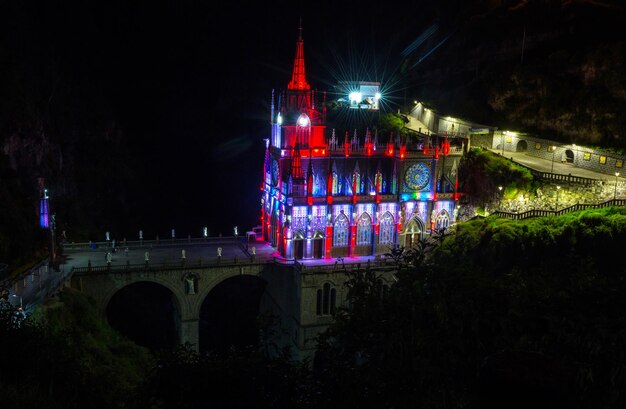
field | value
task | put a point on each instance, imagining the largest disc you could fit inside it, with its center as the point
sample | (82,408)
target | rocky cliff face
(549,67)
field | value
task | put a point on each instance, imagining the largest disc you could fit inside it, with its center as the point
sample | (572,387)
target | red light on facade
(390,151)
(426,149)
(377,198)
(446,147)
(323,151)
(402,151)
(399,227)
(437,152)
(376,228)
(354,199)
(309,200)
(329,242)
(329,199)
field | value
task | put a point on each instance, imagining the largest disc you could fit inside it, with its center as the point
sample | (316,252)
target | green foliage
(481,172)
(65,356)
(389,123)
(238,379)
(501,314)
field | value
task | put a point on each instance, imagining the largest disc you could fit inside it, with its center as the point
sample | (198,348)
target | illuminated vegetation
(481,172)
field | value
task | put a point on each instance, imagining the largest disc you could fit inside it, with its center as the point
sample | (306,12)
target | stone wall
(579,156)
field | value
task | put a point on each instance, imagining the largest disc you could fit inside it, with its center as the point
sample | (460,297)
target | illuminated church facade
(326,196)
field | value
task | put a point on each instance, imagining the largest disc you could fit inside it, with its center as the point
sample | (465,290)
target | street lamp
(558,188)
(615,191)
(553,151)
(500,197)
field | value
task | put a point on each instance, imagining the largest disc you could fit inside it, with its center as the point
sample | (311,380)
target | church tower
(325,199)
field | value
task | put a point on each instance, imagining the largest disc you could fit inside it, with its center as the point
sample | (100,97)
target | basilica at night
(331,193)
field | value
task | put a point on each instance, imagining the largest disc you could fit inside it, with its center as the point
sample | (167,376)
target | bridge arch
(228,313)
(147,311)
(522,146)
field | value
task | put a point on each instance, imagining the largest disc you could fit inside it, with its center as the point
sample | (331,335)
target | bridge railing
(181,265)
(557,177)
(131,244)
(569,209)
(337,265)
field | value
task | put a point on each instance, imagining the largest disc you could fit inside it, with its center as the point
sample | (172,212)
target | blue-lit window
(443,220)
(364,230)
(340,233)
(387,229)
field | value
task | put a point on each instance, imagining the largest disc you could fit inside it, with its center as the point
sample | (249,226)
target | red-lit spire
(298,78)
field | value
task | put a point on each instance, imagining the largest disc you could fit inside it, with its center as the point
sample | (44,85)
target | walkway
(544,165)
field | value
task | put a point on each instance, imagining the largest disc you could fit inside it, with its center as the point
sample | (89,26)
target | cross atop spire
(298,78)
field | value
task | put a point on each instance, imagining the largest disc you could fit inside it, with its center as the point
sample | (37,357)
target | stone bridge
(189,285)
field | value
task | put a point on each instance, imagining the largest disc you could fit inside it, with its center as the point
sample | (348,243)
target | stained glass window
(386,229)
(364,230)
(443,220)
(340,233)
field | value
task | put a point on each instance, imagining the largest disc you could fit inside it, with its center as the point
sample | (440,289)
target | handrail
(162,266)
(153,243)
(559,177)
(569,209)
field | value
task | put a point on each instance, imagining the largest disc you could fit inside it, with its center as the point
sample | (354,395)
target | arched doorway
(522,146)
(228,315)
(298,246)
(146,312)
(413,232)
(569,156)
(318,245)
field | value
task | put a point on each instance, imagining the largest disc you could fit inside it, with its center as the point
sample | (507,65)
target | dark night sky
(190,83)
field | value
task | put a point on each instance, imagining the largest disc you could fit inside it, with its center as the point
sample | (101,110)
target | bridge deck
(162,253)
(196,253)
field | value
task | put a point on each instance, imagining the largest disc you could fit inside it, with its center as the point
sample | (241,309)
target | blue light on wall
(44,221)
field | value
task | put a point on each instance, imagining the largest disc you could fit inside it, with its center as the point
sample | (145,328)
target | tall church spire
(298,78)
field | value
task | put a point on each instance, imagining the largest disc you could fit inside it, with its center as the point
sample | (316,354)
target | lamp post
(558,188)
(500,197)
(615,191)
(553,151)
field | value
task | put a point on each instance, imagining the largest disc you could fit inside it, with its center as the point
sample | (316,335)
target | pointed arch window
(340,232)
(326,300)
(356,181)
(387,229)
(364,230)
(443,220)
(335,183)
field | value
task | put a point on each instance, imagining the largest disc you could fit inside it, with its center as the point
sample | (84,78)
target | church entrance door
(413,233)
(318,247)
(298,249)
